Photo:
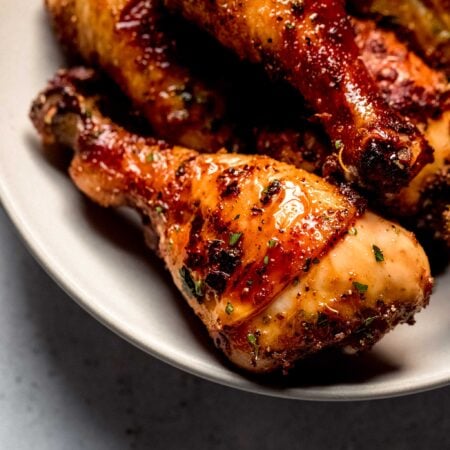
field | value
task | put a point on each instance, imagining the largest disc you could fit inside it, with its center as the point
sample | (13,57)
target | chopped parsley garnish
(272,243)
(191,286)
(338,144)
(289,26)
(379,257)
(266,260)
(361,288)
(150,157)
(229,308)
(352,231)
(253,341)
(234,238)
(369,320)
(199,285)
(159,209)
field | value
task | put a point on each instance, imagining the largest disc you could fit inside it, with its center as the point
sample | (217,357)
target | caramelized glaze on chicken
(311,44)
(134,42)
(425,24)
(406,82)
(410,86)
(276,262)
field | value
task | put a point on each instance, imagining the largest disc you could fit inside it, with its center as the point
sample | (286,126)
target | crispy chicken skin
(406,82)
(276,262)
(418,92)
(311,44)
(133,41)
(425,24)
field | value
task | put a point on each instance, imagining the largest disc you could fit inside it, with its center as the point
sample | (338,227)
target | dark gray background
(66,382)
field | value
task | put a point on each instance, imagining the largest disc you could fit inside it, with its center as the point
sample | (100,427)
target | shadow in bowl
(331,367)
(123,229)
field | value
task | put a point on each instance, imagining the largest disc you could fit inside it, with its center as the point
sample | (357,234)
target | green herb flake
(188,282)
(352,231)
(338,144)
(379,257)
(369,320)
(272,243)
(253,341)
(150,157)
(361,288)
(159,209)
(199,285)
(289,26)
(234,238)
(266,260)
(229,308)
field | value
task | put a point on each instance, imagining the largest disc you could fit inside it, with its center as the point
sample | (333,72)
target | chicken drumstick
(276,262)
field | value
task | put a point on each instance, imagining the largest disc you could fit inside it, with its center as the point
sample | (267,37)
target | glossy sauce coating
(326,306)
(311,44)
(134,42)
(222,225)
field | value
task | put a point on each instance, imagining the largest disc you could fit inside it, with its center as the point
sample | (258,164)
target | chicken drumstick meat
(134,41)
(276,262)
(311,44)
(425,23)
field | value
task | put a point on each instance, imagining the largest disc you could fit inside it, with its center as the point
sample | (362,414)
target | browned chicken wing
(276,262)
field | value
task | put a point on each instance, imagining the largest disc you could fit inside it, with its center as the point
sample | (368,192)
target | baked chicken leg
(134,42)
(311,44)
(277,263)
(410,86)
(424,23)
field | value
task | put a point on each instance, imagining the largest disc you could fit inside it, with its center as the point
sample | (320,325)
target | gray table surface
(69,383)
